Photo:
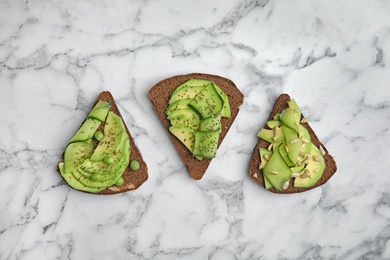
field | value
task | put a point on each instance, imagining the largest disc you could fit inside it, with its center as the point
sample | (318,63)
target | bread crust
(160,93)
(330,169)
(132,179)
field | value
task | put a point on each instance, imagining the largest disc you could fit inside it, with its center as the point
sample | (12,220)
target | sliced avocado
(207,102)
(264,153)
(283,152)
(185,113)
(211,124)
(314,169)
(275,135)
(277,171)
(264,162)
(86,131)
(297,111)
(177,105)
(74,183)
(185,134)
(114,132)
(304,134)
(100,110)
(192,82)
(89,182)
(225,112)
(206,143)
(293,144)
(266,134)
(288,119)
(277,117)
(298,169)
(76,153)
(273,123)
(186,92)
(191,123)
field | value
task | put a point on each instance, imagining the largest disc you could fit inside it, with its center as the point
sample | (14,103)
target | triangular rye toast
(160,95)
(132,178)
(257,174)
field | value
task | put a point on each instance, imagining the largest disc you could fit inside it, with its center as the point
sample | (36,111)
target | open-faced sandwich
(289,157)
(197,110)
(102,158)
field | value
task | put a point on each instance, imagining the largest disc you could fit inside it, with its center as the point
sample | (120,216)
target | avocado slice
(76,153)
(297,111)
(283,152)
(186,92)
(275,135)
(225,112)
(191,123)
(211,124)
(265,152)
(304,135)
(273,123)
(185,134)
(177,105)
(293,144)
(206,143)
(73,182)
(277,171)
(100,110)
(207,102)
(185,113)
(314,169)
(86,131)
(192,82)
(288,119)
(114,132)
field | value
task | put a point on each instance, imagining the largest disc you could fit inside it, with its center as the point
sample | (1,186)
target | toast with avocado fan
(102,169)
(163,96)
(277,142)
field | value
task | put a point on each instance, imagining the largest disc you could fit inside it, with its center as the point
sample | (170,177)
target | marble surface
(333,57)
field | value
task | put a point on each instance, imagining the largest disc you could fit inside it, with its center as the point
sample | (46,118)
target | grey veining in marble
(333,57)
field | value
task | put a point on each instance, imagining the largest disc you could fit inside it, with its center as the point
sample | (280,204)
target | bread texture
(160,93)
(257,175)
(132,179)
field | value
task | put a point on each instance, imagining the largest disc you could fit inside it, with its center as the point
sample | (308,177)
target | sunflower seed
(285,185)
(304,139)
(304,120)
(295,174)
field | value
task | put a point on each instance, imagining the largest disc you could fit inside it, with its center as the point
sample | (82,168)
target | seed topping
(285,185)
(304,139)
(295,174)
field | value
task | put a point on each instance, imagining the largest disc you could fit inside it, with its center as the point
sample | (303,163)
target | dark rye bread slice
(133,179)
(330,169)
(160,94)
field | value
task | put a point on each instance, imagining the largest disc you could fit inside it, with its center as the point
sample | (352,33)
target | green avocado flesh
(293,155)
(93,169)
(195,111)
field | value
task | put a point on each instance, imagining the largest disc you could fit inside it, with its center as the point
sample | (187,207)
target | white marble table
(333,57)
